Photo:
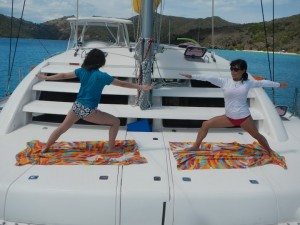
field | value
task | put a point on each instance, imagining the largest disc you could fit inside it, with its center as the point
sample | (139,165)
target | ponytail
(244,77)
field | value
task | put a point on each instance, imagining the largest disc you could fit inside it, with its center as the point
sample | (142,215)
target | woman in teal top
(92,82)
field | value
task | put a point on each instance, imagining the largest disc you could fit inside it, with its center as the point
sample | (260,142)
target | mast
(146,53)
(147,20)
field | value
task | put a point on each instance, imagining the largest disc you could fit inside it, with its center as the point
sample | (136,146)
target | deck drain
(33,177)
(103,178)
(157,178)
(187,179)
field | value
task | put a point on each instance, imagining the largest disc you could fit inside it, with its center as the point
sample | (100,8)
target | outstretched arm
(268,83)
(283,85)
(214,79)
(126,84)
(58,76)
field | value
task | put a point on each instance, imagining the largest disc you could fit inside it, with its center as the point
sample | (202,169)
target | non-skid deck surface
(80,153)
(220,155)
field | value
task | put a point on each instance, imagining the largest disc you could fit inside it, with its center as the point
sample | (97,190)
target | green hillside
(252,36)
(227,35)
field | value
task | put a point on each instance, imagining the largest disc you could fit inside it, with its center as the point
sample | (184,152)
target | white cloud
(231,10)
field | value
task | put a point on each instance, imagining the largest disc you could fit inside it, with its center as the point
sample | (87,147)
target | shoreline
(260,51)
(245,50)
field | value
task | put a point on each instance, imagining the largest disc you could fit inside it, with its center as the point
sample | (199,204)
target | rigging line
(44,47)
(10,42)
(273,78)
(266,39)
(16,46)
(76,28)
(155,24)
(133,25)
(138,29)
(295,104)
(112,35)
(160,22)
(273,40)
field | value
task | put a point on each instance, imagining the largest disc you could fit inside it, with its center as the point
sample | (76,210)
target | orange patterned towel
(80,153)
(223,156)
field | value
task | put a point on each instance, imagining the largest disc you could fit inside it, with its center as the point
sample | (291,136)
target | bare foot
(44,150)
(111,150)
(193,148)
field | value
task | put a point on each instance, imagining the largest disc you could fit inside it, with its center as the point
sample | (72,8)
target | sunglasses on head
(234,69)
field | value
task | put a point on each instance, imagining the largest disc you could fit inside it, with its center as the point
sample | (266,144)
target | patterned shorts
(81,111)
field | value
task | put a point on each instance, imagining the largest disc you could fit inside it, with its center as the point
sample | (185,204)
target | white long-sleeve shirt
(235,93)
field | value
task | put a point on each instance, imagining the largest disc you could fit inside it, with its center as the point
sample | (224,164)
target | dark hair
(242,64)
(94,60)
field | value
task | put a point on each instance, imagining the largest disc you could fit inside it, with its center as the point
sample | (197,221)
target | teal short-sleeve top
(92,83)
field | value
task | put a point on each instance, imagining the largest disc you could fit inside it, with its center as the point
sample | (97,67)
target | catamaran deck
(123,193)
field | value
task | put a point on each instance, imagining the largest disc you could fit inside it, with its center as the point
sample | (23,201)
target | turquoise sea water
(31,52)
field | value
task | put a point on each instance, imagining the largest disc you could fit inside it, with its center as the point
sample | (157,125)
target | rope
(10,44)
(266,39)
(145,69)
(44,47)
(16,46)
(271,75)
(134,34)
(295,104)
(138,29)
(158,23)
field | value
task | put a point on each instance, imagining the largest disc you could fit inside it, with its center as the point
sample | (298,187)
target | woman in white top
(237,111)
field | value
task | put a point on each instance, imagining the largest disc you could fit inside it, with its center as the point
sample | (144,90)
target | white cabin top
(110,31)
(98,20)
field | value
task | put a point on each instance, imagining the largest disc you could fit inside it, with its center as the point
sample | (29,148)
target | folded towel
(212,155)
(81,153)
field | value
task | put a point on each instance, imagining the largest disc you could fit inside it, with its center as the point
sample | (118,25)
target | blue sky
(237,11)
